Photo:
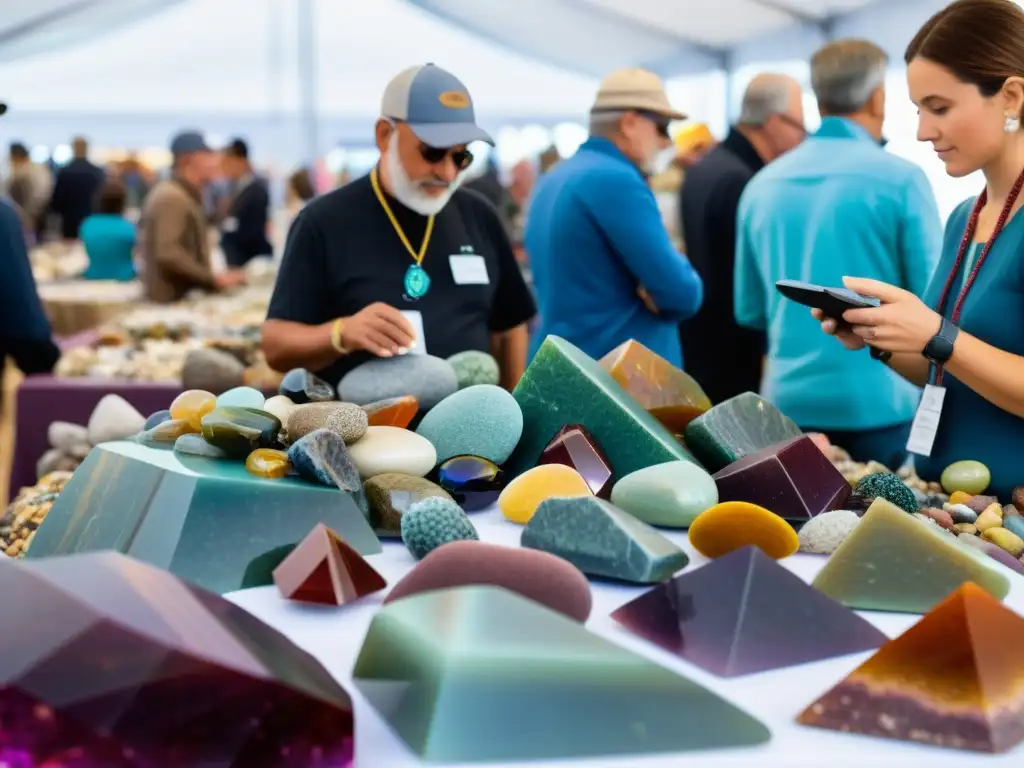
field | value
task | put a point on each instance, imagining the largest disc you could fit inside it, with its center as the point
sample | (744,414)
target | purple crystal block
(576,448)
(744,613)
(793,479)
(117,664)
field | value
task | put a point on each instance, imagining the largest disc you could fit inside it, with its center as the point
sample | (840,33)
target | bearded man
(402,260)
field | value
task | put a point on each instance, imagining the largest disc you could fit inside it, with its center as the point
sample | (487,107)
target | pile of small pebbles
(26,513)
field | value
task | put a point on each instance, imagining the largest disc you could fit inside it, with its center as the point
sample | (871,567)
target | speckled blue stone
(482,420)
(321,456)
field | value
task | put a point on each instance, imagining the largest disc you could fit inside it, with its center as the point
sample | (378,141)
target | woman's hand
(832,328)
(901,324)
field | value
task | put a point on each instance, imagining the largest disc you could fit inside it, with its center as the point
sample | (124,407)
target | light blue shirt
(837,205)
(595,236)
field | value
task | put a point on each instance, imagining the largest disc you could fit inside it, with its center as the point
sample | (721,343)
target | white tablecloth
(334,636)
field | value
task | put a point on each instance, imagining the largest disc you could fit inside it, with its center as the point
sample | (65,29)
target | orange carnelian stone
(266,462)
(671,396)
(395,412)
(734,524)
(959,497)
(191,405)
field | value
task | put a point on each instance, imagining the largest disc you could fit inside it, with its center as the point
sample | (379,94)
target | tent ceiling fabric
(664,37)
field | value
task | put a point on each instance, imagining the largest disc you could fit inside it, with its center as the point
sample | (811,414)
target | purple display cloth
(44,399)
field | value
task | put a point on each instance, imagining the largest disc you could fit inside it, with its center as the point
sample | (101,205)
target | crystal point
(573,446)
(324,569)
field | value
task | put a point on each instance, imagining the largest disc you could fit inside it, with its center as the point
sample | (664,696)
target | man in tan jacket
(175,241)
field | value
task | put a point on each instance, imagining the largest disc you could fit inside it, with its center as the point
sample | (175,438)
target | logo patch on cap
(454,99)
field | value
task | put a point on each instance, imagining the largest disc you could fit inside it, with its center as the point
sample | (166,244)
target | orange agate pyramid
(671,396)
(954,679)
(324,569)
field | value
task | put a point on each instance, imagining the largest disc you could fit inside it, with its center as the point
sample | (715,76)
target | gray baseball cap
(187,142)
(435,105)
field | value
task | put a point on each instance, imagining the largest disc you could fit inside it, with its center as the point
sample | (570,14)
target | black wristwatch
(880,354)
(940,348)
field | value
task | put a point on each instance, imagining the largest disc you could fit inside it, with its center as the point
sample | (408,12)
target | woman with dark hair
(108,237)
(963,340)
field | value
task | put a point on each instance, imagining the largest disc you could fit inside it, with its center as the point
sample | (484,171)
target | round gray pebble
(822,534)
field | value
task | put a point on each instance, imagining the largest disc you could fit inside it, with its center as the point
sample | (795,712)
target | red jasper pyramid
(324,569)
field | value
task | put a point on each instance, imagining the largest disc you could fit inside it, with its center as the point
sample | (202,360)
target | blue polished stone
(156,419)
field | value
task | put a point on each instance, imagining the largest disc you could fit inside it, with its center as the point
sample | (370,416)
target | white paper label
(469,270)
(415,319)
(926,421)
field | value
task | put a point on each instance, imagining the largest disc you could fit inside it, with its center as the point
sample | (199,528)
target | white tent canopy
(235,66)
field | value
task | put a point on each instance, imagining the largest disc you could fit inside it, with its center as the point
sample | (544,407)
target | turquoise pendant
(417,282)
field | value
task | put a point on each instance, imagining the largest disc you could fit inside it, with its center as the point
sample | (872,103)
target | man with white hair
(727,361)
(837,205)
(402,260)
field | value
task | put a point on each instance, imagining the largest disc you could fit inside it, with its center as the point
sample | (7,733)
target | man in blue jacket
(604,267)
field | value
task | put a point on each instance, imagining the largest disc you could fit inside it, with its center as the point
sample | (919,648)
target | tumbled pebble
(995,509)
(429,379)
(1010,511)
(390,449)
(1005,540)
(481,420)
(165,434)
(66,436)
(971,477)
(822,534)
(267,462)
(155,419)
(1014,524)
(961,513)
(300,386)
(114,418)
(980,503)
(967,528)
(473,367)
(434,521)
(941,517)
(347,421)
(959,497)
(196,445)
(994,552)
(192,405)
(241,397)
(279,406)
(1017,498)
(988,519)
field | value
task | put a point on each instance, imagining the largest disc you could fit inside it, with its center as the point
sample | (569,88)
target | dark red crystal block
(117,664)
(793,479)
(576,448)
(744,613)
(324,569)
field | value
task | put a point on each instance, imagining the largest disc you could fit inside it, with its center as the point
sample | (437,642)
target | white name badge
(469,269)
(415,319)
(926,421)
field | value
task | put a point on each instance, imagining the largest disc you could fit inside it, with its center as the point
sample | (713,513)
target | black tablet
(832,301)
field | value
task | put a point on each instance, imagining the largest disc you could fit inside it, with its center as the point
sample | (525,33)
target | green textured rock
(602,540)
(207,521)
(670,494)
(473,367)
(889,487)
(736,428)
(479,674)
(434,521)
(894,562)
(563,386)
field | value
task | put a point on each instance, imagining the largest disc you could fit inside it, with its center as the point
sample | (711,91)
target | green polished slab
(207,521)
(894,562)
(564,386)
(736,428)
(479,674)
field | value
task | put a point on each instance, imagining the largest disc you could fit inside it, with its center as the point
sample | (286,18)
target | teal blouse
(971,427)
(109,241)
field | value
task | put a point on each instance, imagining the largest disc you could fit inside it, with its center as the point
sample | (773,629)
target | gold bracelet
(336,330)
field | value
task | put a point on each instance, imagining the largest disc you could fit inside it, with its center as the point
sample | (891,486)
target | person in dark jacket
(724,358)
(75,191)
(244,229)
(25,334)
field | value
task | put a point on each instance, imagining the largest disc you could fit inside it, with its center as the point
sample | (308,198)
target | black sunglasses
(661,123)
(462,158)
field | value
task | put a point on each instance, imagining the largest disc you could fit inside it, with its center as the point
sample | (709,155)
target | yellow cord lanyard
(417,257)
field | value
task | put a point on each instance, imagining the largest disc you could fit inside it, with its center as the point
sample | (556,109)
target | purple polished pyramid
(119,664)
(745,613)
(793,479)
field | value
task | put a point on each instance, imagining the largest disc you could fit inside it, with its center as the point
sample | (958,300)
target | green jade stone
(971,477)
(207,521)
(602,540)
(564,386)
(740,426)
(894,562)
(239,431)
(479,674)
(670,495)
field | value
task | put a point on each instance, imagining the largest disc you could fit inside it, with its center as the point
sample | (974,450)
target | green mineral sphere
(970,477)
(432,522)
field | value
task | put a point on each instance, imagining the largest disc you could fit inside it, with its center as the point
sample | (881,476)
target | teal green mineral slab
(479,674)
(736,428)
(207,521)
(564,386)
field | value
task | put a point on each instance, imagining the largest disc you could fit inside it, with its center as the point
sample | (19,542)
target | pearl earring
(1011,124)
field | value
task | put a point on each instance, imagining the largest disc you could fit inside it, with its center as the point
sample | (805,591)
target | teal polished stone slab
(564,386)
(479,674)
(736,428)
(207,521)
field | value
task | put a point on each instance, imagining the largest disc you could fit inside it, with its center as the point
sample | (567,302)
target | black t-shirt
(342,255)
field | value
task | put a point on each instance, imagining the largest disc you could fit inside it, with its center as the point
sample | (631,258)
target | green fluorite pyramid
(894,562)
(565,386)
(207,521)
(477,674)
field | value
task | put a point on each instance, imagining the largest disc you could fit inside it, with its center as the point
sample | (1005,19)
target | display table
(334,636)
(43,399)
(80,305)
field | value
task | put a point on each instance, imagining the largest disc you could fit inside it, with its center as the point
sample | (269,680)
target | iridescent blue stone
(473,482)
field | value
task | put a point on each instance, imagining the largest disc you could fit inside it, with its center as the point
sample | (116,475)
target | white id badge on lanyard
(926,421)
(419,346)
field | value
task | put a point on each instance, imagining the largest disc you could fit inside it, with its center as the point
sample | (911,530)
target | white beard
(410,193)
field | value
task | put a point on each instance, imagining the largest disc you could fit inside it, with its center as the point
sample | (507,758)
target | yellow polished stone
(959,497)
(192,405)
(732,525)
(266,462)
(523,495)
